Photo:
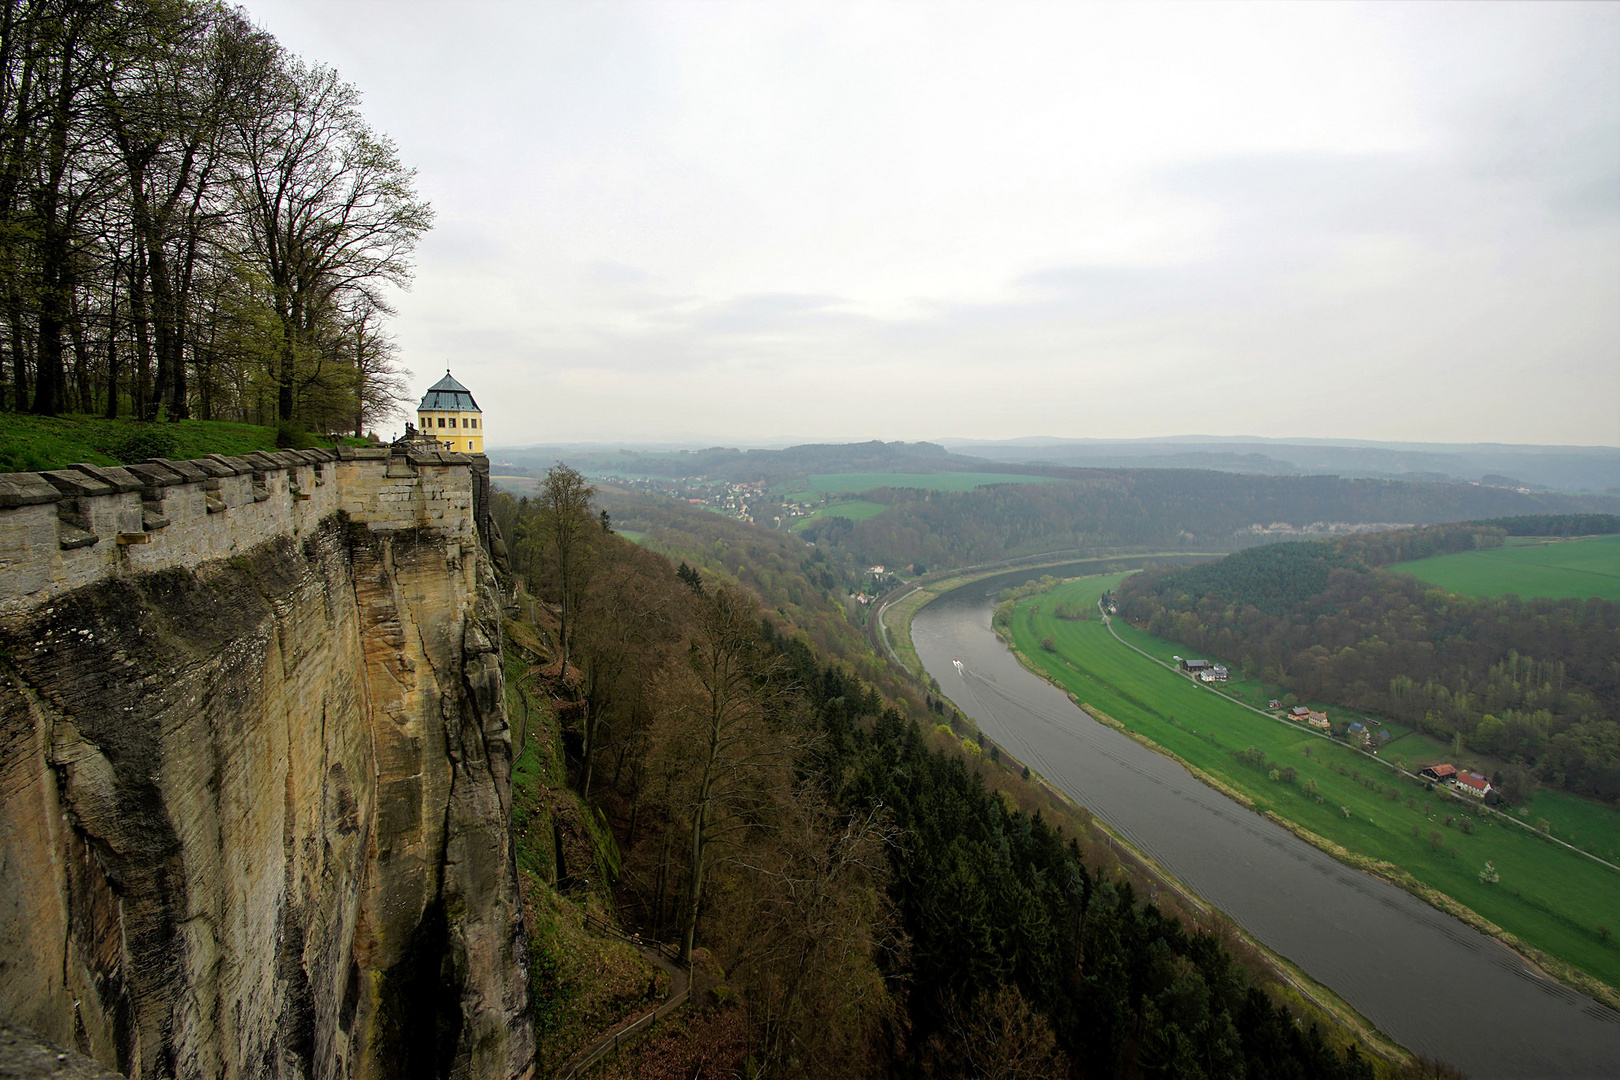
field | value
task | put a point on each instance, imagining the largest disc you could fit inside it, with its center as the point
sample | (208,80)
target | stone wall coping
(115,476)
(26,489)
(237,466)
(76,485)
(210,468)
(83,480)
(156,475)
(189,471)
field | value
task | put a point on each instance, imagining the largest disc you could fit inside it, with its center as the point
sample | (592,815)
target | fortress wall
(255,770)
(67,528)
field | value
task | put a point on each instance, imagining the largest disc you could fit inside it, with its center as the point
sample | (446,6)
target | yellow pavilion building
(449,414)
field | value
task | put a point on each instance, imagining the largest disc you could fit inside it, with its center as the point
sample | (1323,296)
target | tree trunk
(141,403)
(81,362)
(112,344)
(695,887)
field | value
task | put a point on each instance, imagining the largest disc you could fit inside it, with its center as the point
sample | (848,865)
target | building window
(469,444)
(474,422)
(441,421)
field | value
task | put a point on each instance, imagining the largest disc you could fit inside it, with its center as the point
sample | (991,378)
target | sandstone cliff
(254,810)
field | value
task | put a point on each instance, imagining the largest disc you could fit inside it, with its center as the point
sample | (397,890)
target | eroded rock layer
(253,816)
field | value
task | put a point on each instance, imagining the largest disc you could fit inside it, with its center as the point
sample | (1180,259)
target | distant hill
(1570,469)
(1564,468)
(1158,509)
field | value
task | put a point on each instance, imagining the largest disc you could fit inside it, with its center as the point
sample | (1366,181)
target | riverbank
(1313,1001)
(1549,905)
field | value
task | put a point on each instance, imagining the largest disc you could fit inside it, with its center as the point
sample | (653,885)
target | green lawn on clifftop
(31,443)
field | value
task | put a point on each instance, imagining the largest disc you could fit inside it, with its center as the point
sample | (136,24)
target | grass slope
(1560,569)
(853,509)
(855,483)
(1554,900)
(30,443)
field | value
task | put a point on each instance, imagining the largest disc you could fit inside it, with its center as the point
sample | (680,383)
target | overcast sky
(757,222)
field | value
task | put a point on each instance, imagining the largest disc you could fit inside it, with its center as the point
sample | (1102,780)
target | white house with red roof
(1473,783)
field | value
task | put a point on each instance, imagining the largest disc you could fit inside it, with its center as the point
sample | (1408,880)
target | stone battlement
(66,528)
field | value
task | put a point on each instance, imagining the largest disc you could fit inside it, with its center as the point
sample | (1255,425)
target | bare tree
(734,758)
(328,208)
(566,529)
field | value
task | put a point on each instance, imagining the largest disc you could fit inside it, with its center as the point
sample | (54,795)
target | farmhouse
(1273,704)
(1473,783)
(1445,773)
(1357,733)
(1195,666)
(1318,720)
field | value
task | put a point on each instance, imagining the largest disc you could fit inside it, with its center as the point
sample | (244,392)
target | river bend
(1434,984)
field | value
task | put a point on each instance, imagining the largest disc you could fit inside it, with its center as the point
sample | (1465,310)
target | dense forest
(1534,683)
(193,222)
(875,907)
(1164,509)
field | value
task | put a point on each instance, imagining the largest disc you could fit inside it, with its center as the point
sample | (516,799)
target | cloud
(1380,221)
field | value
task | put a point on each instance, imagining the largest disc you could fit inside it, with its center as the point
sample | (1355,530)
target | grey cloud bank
(762,222)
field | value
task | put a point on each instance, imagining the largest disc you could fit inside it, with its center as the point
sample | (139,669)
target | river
(1433,984)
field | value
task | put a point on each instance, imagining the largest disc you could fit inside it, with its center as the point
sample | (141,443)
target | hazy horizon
(750,224)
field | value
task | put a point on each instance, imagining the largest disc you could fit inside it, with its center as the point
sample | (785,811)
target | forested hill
(772,466)
(1532,683)
(1162,509)
(866,895)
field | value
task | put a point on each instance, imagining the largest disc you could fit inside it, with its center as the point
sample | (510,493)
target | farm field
(853,509)
(1550,898)
(833,483)
(1559,569)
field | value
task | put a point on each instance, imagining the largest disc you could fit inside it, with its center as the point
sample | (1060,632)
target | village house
(1443,773)
(1357,735)
(1194,667)
(1273,704)
(1473,783)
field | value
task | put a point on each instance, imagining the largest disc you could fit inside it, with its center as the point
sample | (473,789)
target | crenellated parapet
(62,529)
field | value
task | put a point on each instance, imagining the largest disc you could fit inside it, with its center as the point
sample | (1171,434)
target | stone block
(73,484)
(26,489)
(155,475)
(236,465)
(189,471)
(119,477)
(209,467)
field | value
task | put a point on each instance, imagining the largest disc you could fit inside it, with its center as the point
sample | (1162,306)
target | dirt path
(680,985)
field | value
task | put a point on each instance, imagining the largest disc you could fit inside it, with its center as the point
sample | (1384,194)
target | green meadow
(853,509)
(1560,569)
(1553,899)
(855,483)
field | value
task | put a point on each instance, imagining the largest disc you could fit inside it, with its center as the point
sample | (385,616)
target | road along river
(1433,984)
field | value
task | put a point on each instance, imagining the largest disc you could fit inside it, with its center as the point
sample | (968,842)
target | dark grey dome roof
(447,395)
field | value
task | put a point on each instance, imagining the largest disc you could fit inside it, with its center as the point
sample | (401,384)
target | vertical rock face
(253,817)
